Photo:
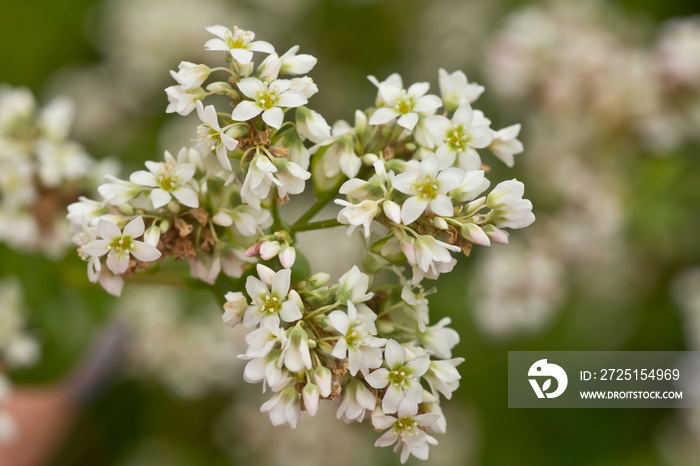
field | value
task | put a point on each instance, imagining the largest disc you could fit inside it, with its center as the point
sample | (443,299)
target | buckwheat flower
(264,339)
(406,429)
(311,125)
(287,256)
(291,177)
(183,101)
(428,187)
(86,210)
(473,184)
(118,192)
(168,179)
(352,286)
(439,339)
(266,370)
(357,400)
(431,404)
(234,308)
(278,300)
(429,257)
(295,352)
(310,394)
(358,214)
(213,137)
(358,341)
(305,85)
(402,377)
(258,181)
(341,156)
(244,218)
(408,106)
(296,64)
(268,99)
(455,89)
(190,75)
(283,407)
(239,43)
(505,144)
(443,376)
(463,134)
(510,210)
(418,303)
(119,246)
(269,249)
(324,380)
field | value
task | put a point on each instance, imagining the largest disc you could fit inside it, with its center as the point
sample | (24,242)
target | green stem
(320,203)
(322,310)
(276,220)
(330,223)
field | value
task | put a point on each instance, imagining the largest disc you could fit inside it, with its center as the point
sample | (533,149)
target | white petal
(273,117)
(408,121)
(378,379)
(118,263)
(442,206)
(251,87)
(394,354)
(292,99)
(159,198)
(145,252)
(107,230)
(427,103)
(242,56)
(413,208)
(246,110)
(134,228)
(280,283)
(187,196)
(96,248)
(382,116)
(144,178)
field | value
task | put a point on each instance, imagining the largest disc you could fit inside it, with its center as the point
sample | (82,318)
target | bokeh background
(608,93)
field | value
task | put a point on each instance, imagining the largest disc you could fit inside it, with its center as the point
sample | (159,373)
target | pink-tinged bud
(287,257)
(253,251)
(475,234)
(269,249)
(408,250)
(496,234)
(392,210)
(234,308)
(222,219)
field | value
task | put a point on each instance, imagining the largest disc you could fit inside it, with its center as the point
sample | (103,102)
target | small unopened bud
(319,279)
(253,251)
(392,210)
(152,236)
(269,249)
(408,250)
(287,257)
(496,234)
(164,226)
(475,234)
(324,380)
(220,87)
(310,394)
(440,223)
(474,206)
(369,159)
(174,207)
(222,219)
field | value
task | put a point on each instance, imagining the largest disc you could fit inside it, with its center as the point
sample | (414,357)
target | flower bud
(324,380)
(220,87)
(440,223)
(235,306)
(310,394)
(392,210)
(164,226)
(475,234)
(152,236)
(269,249)
(287,257)
(369,158)
(222,219)
(311,125)
(319,279)
(496,234)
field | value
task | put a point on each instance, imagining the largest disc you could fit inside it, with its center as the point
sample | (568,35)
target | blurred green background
(46,43)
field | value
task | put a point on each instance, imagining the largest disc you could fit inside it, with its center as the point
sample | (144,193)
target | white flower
(510,210)
(357,400)
(266,369)
(118,192)
(358,214)
(296,64)
(311,125)
(506,144)
(305,85)
(183,101)
(428,187)
(310,394)
(264,339)
(439,338)
(239,43)
(406,429)
(258,180)
(268,99)
(295,352)
(443,376)
(358,339)
(352,286)
(402,377)
(120,245)
(234,307)
(456,90)
(283,407)
(324,380)
(429,257)
(463,134)
(213,137)
(341,156)
(292,178)
(168,179)
(406,105)
(190,75)
(474,183)
(275,301)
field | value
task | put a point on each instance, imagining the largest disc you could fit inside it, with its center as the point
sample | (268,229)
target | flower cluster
(18,348)
(41,171)
(410,177)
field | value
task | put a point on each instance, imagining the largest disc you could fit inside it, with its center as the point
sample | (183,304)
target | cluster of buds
(411,178)
(41,171)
